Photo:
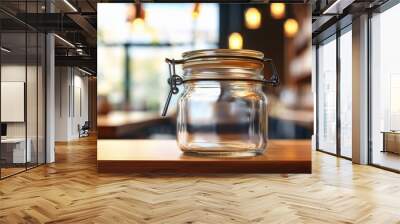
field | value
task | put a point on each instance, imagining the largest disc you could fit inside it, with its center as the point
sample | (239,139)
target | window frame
(378,10)
(335,36)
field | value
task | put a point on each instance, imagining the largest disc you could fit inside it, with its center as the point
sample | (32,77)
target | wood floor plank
(72,191)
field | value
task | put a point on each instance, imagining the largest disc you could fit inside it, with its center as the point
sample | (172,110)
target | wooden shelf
(137,156)
(120,123)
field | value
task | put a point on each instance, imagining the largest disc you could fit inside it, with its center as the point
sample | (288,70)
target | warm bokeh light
(138,25)
(235,41)
(196,10)
(291,27)
(252,18)
(278,10)
(131,14)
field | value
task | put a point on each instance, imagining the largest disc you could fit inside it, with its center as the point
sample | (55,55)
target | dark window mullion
(317,96)
(338,78)
(0,97)
(26,86)
(369,97)
(37,90)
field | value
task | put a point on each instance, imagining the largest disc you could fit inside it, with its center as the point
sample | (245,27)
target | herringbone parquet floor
(71,191)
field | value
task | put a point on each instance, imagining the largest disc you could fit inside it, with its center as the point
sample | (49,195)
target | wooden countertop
(281,156)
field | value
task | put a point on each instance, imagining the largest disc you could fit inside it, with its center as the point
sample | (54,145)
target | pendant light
(136,16)
(196,10)
(277,10)
(252,17)
(291,27)
(235,41)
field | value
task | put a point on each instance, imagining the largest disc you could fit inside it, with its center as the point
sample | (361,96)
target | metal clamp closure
(274,80)
(174,80)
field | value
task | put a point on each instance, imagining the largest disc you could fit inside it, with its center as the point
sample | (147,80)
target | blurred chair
(84,130)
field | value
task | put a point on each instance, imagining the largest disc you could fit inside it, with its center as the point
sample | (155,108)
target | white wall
(61,103)
(80,110)
(71,94)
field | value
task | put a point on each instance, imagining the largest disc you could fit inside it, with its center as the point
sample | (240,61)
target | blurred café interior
(134,40)
(337,63)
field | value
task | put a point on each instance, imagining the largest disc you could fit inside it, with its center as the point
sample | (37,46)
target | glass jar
(223,108)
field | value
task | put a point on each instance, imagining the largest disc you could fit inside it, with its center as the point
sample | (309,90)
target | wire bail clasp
(174,80)
(274,80)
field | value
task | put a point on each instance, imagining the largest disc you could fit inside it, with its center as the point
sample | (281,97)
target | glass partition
(327,96)
(22,77)
(14,145)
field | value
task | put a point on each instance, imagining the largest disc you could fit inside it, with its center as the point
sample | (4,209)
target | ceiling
(332,15)
(76,22)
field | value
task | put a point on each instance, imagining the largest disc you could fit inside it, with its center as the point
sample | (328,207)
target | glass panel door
(346,94)
(14,153)
(327,96)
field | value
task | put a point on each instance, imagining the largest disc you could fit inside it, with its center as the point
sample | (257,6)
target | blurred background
(134,40)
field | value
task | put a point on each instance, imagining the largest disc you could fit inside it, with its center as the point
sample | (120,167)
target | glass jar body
(222,117)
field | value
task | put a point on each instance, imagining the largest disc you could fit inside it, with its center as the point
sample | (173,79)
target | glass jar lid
(223,64)
(213,53)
